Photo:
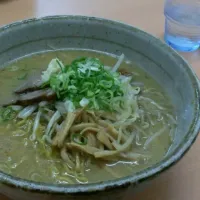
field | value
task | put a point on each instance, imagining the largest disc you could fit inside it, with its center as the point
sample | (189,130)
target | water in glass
(182,24)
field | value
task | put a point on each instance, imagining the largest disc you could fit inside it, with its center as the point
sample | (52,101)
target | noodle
(66,158)
(98,118)
(87,149)
(153,137)
(62,134)
(82,126)
(103,138)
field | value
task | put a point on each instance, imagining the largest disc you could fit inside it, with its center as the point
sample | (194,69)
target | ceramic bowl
(168,68)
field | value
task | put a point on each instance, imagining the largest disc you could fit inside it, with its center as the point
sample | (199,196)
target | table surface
(182,181)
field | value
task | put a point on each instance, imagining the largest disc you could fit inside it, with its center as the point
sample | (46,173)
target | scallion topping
(86,82)
(79,139)
(7,114)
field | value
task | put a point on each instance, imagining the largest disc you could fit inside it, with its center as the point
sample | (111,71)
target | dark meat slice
(33,97)
(124,72)
(32,84)
(36,96)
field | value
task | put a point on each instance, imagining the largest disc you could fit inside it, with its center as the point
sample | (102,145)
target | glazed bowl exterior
(162,63)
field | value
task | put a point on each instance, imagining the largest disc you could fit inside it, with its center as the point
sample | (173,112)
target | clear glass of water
(182,24)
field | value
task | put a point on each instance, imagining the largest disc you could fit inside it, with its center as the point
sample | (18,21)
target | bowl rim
(138,177)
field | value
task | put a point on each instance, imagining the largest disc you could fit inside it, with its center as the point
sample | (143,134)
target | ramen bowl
(162,63)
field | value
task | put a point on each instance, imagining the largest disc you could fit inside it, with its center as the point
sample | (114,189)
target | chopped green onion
(13,68)
(58,62)
(22,76)
(136,90)
(7,114)
(86,81)
(84,102)
(79,139)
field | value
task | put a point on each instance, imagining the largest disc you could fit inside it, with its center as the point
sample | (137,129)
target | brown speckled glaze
(160,61)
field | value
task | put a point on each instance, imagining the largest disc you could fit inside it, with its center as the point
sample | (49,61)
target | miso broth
(36,160)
